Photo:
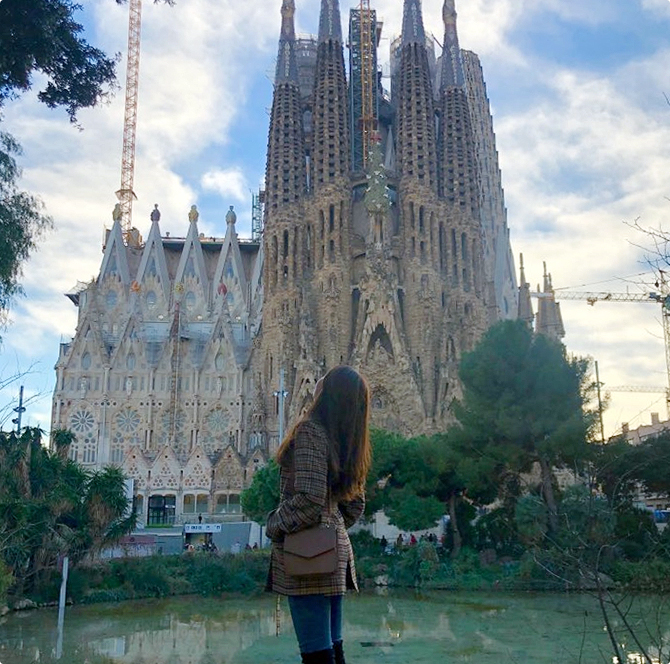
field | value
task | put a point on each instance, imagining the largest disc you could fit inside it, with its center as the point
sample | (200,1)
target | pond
(394,627)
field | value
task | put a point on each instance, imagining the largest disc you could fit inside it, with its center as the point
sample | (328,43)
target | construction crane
(126,194)
(639,389)
(661,297)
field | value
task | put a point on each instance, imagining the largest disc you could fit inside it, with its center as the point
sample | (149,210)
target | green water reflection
(395,628)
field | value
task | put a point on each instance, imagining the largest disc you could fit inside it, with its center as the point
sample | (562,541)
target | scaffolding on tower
(126,194)
(363,98)
(257,209)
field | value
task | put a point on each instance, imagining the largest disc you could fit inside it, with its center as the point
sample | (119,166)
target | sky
(577,93)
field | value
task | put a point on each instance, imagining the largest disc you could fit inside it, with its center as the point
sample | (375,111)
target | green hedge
(423,565)
(161,576)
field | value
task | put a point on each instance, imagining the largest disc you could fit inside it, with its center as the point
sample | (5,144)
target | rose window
(82,421)
(127,420)
(217,421)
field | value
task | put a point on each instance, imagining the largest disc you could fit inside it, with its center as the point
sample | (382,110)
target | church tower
(327,294)
(286,187)
(382,269)
(418,201)
(461,238)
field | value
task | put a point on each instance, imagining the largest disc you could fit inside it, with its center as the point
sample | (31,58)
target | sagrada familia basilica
(384,245)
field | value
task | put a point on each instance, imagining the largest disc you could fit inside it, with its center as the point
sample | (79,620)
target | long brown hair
(342,408)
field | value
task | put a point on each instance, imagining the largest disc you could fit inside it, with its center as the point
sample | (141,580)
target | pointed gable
(86,352)
(166,470)
(115,260)
(230,281)
(153,265)
(229,471)
(135,467)
(192,262)
(198,470)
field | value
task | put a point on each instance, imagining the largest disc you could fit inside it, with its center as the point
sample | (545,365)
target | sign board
(202,527)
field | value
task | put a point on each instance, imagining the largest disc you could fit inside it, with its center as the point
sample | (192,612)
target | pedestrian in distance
(323,461)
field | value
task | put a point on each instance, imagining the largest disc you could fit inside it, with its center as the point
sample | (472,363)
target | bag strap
(328,498)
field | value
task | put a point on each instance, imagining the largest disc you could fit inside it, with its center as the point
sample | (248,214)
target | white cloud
(588,155)
(581,153)
(228,183)
(661,7)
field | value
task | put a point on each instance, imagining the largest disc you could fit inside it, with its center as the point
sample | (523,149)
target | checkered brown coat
(305,502)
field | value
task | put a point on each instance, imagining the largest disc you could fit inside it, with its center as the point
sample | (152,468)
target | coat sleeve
(303,509)
(351,510)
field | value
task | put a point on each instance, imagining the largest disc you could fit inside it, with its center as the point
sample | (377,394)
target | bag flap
(311,542)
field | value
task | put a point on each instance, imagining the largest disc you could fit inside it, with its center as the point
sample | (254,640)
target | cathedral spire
(452,63)
(549,318)
(415,131)
(459,171)
(412,23)
(525,312)
(330,24)
(287,66)
(285,176)
(330,110)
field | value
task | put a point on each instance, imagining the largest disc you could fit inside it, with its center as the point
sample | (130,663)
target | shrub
(531,518)
(497,530)
(635,532)
(148,577)
(6,580)
(365,544)
(211,575)
(651,575)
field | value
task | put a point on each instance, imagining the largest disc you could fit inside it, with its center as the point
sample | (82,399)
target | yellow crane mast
(126,194)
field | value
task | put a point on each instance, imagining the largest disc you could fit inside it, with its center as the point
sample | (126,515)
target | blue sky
(582,125)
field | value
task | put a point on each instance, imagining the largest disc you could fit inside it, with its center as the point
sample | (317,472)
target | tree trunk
(453,523)
(548,493)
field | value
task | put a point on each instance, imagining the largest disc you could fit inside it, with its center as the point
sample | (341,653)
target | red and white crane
(126,193)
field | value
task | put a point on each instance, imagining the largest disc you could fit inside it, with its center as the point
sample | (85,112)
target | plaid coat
(305,502)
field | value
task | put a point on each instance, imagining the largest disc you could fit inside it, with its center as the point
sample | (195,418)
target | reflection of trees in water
(542,629)
(200,631)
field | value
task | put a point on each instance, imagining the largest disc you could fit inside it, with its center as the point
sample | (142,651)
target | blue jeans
(317,620)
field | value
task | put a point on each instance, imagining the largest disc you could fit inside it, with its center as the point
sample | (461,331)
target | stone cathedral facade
(187,348)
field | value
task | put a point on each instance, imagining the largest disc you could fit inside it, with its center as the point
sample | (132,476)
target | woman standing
(323,463)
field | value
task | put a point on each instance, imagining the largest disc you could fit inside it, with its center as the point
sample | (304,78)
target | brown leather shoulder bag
(311,551)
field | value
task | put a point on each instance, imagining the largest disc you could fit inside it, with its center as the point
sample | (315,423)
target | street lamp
(281,394)
(19,410)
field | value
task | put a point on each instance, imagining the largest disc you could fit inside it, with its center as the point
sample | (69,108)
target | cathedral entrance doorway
(162,510)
